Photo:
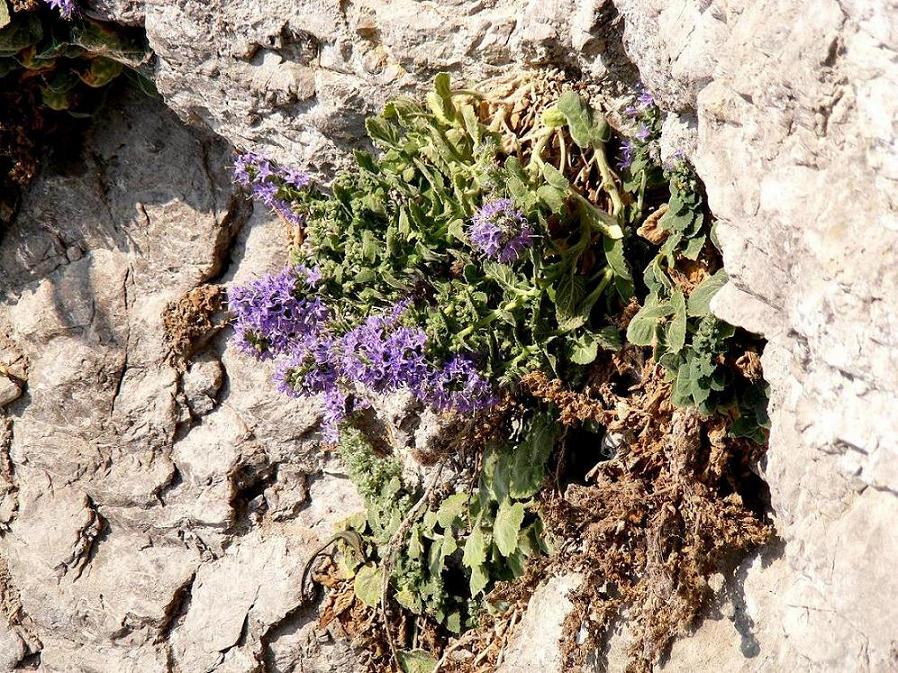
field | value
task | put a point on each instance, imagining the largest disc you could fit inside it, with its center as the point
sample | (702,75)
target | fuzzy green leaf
(479,580)
(507,526)
(4,14)
(475,549)
(368,585)
(578,117)
(700,299)
(642,327)
(583,349)
(416,661)
(694,247)
(676,335)
(451,509)
(529,458)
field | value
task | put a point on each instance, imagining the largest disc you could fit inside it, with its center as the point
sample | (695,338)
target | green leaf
(472,123)
(529,458)
(451,509)
(479,580)
(569,292)
(507,526)
(101,72)
(409,600)
(416,661)
(583,349)
(599,220)
(368,585)
(614,254)
(700,299)
(579,119)
(694,247)
(20,35)
(553,197)
(4,14)
(676,335)
(641,330)
(475,549)
(555,178)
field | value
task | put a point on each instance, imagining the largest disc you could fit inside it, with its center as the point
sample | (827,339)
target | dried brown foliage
(651,525)
(190,321)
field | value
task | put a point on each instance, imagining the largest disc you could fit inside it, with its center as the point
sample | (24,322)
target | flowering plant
(454,265)
(443,267)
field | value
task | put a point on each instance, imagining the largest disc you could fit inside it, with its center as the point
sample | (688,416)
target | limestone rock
(10,391)
(297,79)
(130,524)
(795,144)
(535,646)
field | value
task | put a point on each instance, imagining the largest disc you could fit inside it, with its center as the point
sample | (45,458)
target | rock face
(298,79)
(796,146)
(156,519)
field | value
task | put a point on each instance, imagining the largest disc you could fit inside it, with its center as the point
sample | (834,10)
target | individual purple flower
(296,178)
(631,111)
(644,132)
(245,168)
(501,231)
(67,8)
(458,386)
(271,318)
(265,192)
(625,159)
(310,276)
(645,99)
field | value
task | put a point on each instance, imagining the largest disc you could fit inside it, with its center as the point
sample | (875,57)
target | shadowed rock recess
(156,515)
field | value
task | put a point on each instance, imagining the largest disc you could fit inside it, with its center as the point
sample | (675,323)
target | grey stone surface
(151,513)
(796,146)
(297,79)
(534,645)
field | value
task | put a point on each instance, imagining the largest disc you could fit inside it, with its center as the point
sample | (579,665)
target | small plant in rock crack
(695,348)
(460,261)
(441,267)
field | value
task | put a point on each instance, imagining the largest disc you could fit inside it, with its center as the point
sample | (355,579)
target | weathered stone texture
(158,519)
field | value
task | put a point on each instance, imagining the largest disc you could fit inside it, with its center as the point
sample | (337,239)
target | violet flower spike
(67,8)
(625,159)
(644,132)
(272,318)
(645,99)
(458,386)
(500,231)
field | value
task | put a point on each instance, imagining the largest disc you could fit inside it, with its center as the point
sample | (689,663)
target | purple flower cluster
(458,385)
(625,159)
(383,355)
(67,8)
(644,102)
(501,231)
(267,181)
(271,317)
(276,318)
